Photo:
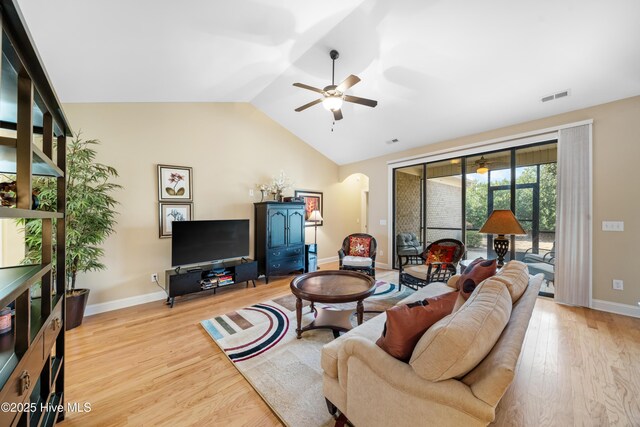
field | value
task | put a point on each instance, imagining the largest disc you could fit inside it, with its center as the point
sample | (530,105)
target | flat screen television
(196,242)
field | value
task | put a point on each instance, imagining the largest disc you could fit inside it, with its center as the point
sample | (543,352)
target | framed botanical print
(171,212)
(313,201)
(175,183)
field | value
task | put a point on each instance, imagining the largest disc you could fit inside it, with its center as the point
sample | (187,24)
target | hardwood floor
(151,365)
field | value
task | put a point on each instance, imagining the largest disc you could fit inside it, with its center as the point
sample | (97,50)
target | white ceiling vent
(393,141)
(551,97)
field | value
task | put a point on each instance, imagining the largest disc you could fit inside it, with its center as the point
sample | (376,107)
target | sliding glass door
(453,198)
(444,200)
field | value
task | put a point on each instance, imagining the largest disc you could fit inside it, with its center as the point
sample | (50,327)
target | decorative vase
(278,197)
(262,194)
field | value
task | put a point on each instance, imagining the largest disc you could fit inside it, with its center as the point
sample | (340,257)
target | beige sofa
(373,389)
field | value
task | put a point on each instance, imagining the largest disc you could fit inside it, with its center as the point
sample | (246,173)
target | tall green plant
(90,214)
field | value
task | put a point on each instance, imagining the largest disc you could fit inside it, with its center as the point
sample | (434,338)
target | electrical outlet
(618,285)
(383,222)
(381,252)
(154,277)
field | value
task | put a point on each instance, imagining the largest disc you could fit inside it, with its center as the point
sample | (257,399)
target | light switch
(251,192)
(618,285)
(612,225)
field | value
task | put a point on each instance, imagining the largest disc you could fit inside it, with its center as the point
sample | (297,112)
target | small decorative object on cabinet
(32,352)
(276,187)
(279,238)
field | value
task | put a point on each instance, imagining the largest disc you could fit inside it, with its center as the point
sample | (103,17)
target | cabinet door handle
(25,382)
(276,253)
(276,265)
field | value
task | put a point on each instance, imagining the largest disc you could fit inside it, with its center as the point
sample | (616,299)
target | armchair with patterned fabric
(358,253)
(441,260)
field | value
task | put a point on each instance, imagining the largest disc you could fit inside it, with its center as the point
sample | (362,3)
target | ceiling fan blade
(347,83)
(362,101)
(337,115)
(304,86)
(310,104)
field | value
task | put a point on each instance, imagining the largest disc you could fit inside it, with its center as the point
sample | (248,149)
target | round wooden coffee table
(331,287)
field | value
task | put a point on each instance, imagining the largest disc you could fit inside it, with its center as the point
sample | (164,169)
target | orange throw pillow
(479,270)
(359,246)
(407,323)
(440,253)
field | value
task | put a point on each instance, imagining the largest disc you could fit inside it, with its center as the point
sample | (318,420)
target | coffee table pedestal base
(329,318)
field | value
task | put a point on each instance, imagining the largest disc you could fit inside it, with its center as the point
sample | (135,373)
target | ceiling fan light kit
(332,102)
(334,96)
(482,166)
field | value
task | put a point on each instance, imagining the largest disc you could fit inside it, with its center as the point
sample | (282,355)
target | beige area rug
(261,342)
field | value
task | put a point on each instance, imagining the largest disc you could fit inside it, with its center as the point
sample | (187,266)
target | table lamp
(501,222)
(315,217)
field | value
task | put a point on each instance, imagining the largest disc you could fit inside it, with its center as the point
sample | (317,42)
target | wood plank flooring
(151,365)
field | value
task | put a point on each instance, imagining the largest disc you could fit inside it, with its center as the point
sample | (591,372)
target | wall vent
(551,97)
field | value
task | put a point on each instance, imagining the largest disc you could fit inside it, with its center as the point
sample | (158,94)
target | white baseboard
(616,307)
(124,302)
(328,260)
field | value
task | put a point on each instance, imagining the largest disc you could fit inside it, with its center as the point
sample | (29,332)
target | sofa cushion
(515,276)
(406,323)
(456,344)
(431,290)
(479,270)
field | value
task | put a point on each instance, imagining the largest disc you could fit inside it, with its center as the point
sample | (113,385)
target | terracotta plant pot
(76,304)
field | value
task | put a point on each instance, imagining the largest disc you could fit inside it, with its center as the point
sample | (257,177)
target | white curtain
(573,269)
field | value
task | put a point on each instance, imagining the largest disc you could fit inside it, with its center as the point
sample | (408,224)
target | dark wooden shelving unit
(32,357)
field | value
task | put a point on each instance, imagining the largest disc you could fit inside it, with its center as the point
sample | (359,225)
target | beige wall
(231,147)
(12,247)
(616,150)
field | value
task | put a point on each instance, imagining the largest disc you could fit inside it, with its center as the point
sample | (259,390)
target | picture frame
(170,212)
(312,200)
(175,183)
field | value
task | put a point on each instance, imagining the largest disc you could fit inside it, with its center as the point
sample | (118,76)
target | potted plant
(90,217)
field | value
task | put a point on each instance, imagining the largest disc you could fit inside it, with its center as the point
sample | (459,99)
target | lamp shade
(502,221)
(315,216)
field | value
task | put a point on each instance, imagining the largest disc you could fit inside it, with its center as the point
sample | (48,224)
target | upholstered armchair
(440,262)
(408,248)
(358,253)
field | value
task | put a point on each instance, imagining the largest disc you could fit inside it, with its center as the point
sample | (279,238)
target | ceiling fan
(332,95)
(482,165)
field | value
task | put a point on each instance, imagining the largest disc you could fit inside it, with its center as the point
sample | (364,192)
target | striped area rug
(285,371)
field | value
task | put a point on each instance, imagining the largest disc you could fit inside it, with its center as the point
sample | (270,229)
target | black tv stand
(208,277)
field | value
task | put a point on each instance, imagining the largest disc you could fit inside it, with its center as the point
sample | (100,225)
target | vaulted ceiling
(439,69)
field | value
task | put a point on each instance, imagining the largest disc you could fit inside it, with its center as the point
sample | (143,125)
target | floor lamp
(315,217)
(501,222)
